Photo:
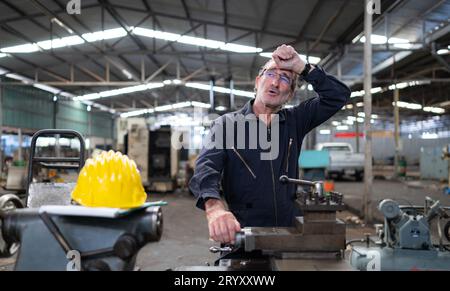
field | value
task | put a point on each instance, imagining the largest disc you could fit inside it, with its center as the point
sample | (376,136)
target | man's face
(273,87)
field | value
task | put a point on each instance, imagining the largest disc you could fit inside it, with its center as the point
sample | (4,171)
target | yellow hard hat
(109,180)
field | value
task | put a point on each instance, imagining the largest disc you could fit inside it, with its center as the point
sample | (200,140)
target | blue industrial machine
(405,240)
(313,164)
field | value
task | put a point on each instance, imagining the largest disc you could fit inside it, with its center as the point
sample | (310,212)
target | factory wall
(30,108)
(383,148)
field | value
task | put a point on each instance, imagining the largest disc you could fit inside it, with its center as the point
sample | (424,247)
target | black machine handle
(285,179)
(52,162)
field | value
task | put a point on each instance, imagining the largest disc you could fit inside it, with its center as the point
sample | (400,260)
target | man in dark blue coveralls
(251,186)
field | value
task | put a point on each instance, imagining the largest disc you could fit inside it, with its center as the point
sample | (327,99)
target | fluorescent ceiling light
(214,44)
(335,123)
(376,90)
(396,40)
(181,104)
(427,135)
(3,55)
(23,48)
(200,104)
(374,39)
(362,92)
(56,91)
(19,78)
(381,39)
(434,109)
(66,94)
(170,82)
(62,25)
(127,74)
(104,34)
(60,42)
(47,88)
(360,119)
(362,114)
(325,131)
(443,51)
(221,89)
(198,86)
(401,85)
(221,108)
(163,108)
(342,127)
(120,32)
(120,91)
(240,48)
(407,46)
(398,86)
(413,106)
(156,34)
(135,113)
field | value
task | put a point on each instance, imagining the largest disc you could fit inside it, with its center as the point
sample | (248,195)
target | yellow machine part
(109,180)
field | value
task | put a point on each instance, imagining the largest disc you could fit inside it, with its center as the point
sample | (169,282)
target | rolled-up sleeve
(205,183)
(332,96)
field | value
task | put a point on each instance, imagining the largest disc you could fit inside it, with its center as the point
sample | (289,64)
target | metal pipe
(396,131)
(1,128)
(355,112)
(231,94)
(19,133)
(211,93)
(368,177)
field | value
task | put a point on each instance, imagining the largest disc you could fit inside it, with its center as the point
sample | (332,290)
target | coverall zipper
(245,163)
(288,153)
(269,135)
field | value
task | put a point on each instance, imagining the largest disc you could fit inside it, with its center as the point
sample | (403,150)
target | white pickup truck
(343,160)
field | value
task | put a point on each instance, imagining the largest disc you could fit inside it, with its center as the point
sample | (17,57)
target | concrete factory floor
(185,236)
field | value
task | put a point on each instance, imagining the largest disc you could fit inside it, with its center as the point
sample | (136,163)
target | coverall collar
(247,111)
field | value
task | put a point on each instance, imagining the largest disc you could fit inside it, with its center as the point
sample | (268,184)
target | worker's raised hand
(221,223)
(287,58)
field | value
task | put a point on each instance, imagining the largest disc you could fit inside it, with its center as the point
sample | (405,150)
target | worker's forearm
(212,206)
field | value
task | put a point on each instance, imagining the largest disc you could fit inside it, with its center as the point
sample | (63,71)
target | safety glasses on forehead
(272,74)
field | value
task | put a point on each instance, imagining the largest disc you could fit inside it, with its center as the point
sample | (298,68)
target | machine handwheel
(447,230)
(8,202)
